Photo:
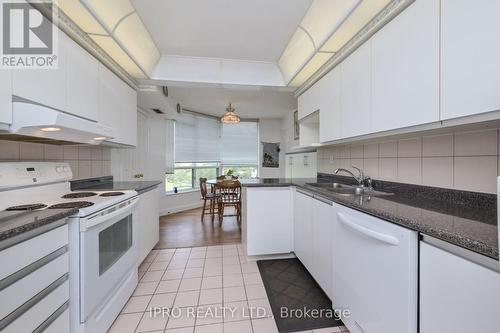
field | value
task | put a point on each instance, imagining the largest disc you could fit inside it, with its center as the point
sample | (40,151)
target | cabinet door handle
(388,239)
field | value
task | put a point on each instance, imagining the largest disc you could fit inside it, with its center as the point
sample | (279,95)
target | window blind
(196,139)
(169,146)
(240,143)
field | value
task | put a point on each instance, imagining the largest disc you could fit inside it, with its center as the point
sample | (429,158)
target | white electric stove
(102,237)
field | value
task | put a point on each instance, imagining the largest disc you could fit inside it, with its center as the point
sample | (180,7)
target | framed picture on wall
(296,129)
(270,155)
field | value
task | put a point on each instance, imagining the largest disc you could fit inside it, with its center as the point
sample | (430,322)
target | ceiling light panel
(79,14)
(318,60)
(110,12)
(298,51)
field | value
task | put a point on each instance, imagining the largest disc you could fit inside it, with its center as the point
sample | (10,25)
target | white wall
(270,131)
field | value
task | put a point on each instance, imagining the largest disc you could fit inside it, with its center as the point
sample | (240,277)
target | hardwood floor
(186,230)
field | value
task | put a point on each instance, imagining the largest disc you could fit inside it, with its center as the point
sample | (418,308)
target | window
(205,148)
(187,175)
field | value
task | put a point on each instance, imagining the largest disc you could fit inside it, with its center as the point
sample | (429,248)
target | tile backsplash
(85,161)
(463,160)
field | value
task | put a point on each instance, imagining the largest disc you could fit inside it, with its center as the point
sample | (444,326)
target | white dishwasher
(375,273)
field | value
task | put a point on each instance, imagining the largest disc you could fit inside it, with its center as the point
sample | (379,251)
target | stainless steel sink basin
(347,190)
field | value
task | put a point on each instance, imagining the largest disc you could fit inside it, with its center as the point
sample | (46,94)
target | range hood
(37,123)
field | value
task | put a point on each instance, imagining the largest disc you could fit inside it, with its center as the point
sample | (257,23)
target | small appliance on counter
(102,237)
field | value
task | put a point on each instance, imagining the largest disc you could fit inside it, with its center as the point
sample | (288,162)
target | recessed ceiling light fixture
(100,138)
(50,129)
(230,117)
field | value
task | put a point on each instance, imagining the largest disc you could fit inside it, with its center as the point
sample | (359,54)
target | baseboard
(179,209)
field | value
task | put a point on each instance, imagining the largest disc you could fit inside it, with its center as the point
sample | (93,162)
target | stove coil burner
(73,204)
(77,195)
(27,207)
(111,194)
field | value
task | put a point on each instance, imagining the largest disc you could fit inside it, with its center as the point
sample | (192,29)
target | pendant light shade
(230,117)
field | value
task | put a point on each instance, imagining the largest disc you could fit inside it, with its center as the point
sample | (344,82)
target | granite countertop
(466,219)
(15,223)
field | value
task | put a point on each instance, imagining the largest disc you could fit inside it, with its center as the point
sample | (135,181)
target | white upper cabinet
(356,92)
(117,107)
(44,86)
(5,96)
(330,120)
(309,101)
(405,68)
(82,77)
(470,53)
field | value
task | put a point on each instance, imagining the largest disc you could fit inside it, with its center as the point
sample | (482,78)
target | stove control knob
(59,169)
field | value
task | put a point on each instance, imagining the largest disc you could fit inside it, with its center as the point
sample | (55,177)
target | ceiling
(256,30)
(249,101)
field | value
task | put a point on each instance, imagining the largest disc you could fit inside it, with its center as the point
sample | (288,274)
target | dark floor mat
(289,286)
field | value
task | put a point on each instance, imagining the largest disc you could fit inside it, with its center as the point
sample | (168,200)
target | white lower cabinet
(35,286)
(322,244)
(374,273)
(302,228)
(456,295)
(312,237)
(149,221)
(268,220)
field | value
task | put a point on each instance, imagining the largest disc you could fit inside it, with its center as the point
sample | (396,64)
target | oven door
(108,252)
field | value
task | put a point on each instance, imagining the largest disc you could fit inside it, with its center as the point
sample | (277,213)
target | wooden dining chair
(223,177)
(228,193)
(211,197)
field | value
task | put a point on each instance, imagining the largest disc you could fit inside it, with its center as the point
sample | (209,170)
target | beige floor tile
(250,267)
(243,259)
(151,323)
(190,284)
(136,304)
(231,269)
(180,256)
(197,255)
(145,288)
(152,276)
(231,260)
(229,252)
(260,308)
(180,330)
(173,274)
(210,296)
(125,323)
(183,250)
(169,286)
(199,249)
(236,311)
(193,263)
(267,325)
(163,257)
(255,291)
(186,319)
(211,282)
(162,300)
(209,314)
(214,328)
(177,264)
(187,298)
(212,271)
(232,280)
(140,275)
(238,327)
(213,254)
(158,266)
(213,261)
(193,272)
(166,251)
(233,294)
(252,278)
(144,266)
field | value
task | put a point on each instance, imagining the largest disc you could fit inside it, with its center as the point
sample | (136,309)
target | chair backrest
(203,187)
(222,177)
(229,190)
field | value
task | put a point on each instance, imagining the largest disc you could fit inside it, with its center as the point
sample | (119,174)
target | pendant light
(230,117)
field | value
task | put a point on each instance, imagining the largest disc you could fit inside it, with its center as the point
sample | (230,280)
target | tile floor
(199,284)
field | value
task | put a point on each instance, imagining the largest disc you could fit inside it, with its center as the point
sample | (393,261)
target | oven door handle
(108,214)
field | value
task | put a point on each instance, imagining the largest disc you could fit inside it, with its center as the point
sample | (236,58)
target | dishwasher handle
(388,239)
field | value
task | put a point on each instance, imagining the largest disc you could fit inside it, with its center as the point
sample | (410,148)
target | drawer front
(30,316)
(23,254)
(19,292)
(58,322)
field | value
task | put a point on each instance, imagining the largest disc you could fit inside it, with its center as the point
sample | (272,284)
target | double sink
(347,190)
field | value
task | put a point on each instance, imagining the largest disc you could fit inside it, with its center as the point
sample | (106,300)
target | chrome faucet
(361,179)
